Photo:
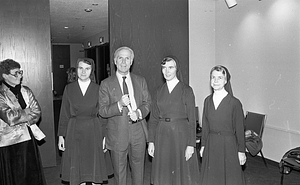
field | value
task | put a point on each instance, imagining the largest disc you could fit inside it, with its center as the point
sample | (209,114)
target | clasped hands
(125,102)
(188,151)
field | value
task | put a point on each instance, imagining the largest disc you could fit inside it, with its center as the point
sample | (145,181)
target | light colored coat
(12,117)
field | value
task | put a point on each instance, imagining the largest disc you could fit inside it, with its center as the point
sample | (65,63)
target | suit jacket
(117,125)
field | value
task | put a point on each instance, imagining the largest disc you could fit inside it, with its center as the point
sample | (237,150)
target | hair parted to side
(227,76)
(88,61)
(177,65)
(168,59)
(123,48)
(220,69)
(7,65)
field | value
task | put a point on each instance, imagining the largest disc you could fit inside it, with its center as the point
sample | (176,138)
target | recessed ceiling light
(88,10)
(66,27)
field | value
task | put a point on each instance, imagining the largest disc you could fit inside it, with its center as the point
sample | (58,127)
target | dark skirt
(20,164)
(84,160)
(169,165)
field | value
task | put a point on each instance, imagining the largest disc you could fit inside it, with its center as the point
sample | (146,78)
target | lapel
(13,101)
(116,89)
(25,96)
(136,90)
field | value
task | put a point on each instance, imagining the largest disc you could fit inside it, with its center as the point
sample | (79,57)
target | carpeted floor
(256,173)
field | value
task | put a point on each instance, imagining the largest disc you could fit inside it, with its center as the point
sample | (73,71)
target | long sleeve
(64,114)
(190,109)
(238,119)
(154,119)
(103,122)
(108,107)
(146,99)
(35,110)
(13,114)
(205,126)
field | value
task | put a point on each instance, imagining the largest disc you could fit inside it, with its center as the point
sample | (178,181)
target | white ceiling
(81,24)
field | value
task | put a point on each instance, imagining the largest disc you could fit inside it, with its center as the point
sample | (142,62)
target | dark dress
(223,137)
(21,164)
(83,160)
(169,166)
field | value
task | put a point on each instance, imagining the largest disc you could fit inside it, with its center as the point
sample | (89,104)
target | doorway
(100,55)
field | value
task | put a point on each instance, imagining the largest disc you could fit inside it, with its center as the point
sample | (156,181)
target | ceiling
(81,24)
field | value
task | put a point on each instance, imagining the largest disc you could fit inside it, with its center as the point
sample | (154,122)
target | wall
(25,37)
(202,47)
(153,29)
(259,42)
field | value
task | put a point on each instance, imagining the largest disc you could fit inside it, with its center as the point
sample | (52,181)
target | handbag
(10,135)
(253,142)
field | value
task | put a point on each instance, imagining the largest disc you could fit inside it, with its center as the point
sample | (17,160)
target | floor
(256,173)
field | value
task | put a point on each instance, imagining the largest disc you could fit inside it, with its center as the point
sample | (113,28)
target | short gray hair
(123,48)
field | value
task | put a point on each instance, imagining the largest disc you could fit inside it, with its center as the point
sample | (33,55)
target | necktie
(125,88)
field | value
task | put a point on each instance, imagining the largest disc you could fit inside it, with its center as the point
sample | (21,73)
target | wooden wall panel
(25,37)
(153,29)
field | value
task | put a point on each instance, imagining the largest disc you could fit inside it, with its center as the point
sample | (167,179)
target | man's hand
(134,115)
(124,101)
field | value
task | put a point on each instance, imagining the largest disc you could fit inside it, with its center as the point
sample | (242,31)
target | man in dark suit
(125,101)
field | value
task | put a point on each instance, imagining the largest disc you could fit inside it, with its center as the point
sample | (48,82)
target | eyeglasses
(17,73)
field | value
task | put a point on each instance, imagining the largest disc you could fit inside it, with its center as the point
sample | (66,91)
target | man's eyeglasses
(17,73)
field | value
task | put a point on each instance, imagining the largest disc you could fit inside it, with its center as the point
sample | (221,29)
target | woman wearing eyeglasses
(20,162)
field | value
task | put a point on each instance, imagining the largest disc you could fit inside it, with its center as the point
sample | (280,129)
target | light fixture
(101,40)
(231,3)
(89,44)
(88,10)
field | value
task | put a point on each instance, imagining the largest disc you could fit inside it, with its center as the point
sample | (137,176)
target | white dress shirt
(130,91)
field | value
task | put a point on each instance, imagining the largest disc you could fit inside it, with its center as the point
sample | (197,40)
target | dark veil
(225,71)
(228,84)
(178,70)
(90,62)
